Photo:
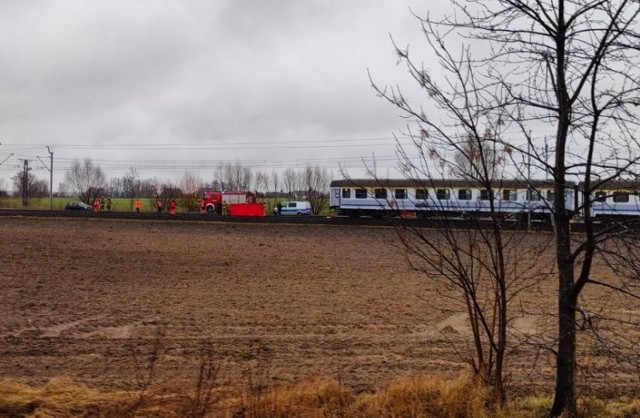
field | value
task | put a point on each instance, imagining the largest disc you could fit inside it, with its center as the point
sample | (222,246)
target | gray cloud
(171,72)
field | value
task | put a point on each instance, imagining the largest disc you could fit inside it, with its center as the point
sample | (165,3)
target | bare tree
(245,179)
(63,189)
(85,179)
(191,186)
(481,264)
(215,185)
(39,188)
(115,187)
(475,155)
(275,182)
(291,182)
(480,271)
(36,187)
(167,192)
(568,65)
(131,184)
(149,187)
(261,181)
(234,176)
(316,180)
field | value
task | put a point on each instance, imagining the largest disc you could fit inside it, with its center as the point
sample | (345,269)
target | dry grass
(57,398)
(425,396)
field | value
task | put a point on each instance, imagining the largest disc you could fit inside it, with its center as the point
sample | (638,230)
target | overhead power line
(232,145)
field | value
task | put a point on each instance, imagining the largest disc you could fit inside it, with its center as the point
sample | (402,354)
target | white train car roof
(449,183)
(619,184)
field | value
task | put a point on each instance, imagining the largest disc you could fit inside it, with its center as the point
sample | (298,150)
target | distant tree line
(87,181)
(30,186)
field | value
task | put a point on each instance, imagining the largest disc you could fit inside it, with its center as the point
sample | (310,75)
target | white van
(293,208)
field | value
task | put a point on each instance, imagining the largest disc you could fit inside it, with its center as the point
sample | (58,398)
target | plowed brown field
(93,299)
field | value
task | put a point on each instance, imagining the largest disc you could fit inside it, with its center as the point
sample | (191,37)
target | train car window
(401,193)
(346,193)
(380,193)
(336,193)
(508,194)
(550,195)
(442,194)
(620,197)
(361,193)
(601,196)
(464,194)
(533,195)
(422,194)
(485,195)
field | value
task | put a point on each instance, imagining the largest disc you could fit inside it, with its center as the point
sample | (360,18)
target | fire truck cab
(212,201)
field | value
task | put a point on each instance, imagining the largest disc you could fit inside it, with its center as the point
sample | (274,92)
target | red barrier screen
(247,209)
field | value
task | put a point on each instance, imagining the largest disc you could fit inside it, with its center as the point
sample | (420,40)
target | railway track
(458,223)
(192,217)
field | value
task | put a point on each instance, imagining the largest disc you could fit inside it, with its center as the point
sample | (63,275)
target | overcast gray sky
(171,86)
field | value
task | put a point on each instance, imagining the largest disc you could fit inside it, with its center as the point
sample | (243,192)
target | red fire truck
(238,203)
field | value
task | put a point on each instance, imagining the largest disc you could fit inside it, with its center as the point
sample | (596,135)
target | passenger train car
(449,197)
(425,198)
(617,199)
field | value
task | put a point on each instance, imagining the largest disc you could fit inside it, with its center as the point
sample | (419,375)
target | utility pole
(2,162)
(50,168)
(50,179)
(546,158)
(25,184)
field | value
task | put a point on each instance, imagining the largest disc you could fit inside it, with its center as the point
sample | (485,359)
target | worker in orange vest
(96,205)
(172,207)
(137,205)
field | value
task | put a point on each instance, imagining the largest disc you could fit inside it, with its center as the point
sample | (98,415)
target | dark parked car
(77,206)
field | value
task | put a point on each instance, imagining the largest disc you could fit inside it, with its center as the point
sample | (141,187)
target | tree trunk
(565,393)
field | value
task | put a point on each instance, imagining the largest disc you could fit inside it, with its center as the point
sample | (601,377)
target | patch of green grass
(58,203)
(119,204)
